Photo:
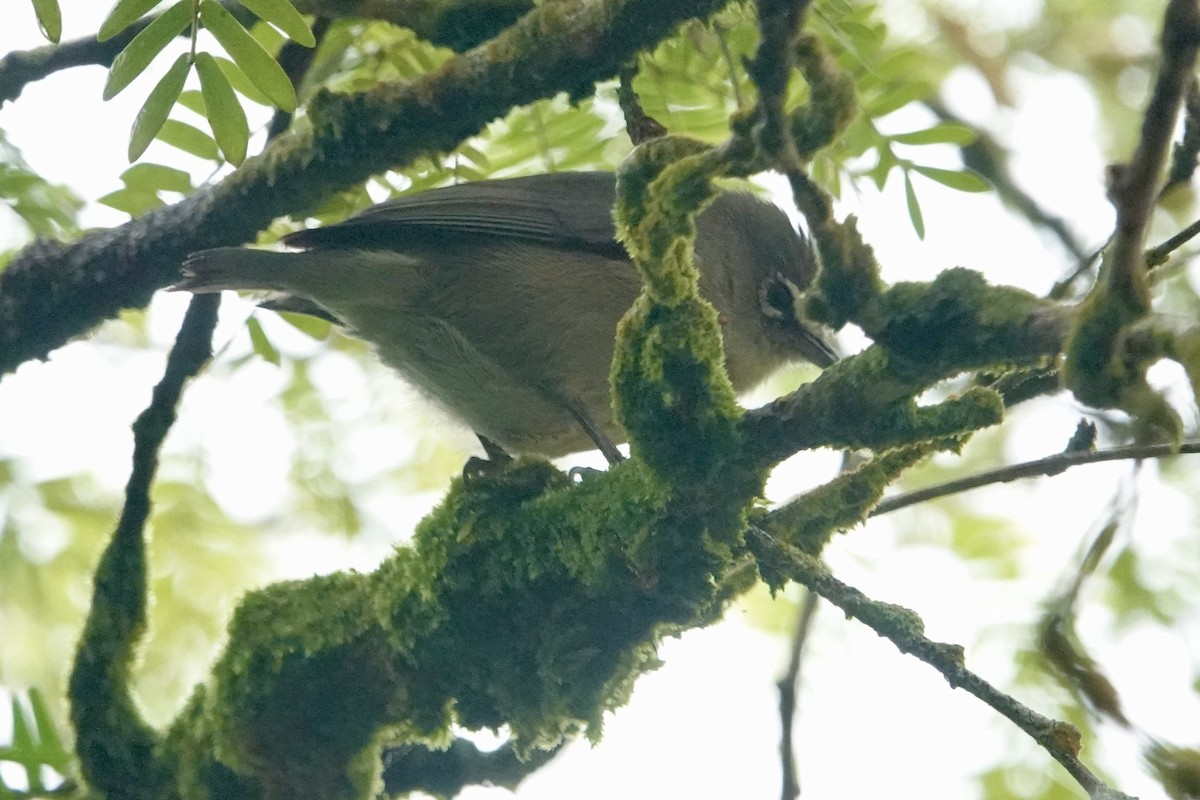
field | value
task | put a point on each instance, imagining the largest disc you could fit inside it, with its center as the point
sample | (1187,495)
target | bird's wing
(568,209)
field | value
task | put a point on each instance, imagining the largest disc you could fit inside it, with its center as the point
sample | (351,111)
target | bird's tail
(236,268)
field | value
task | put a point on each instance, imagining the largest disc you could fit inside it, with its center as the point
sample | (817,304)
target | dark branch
(1134,187)
(1183,157)
(789,691)
(1049,466)
(1157,256)
(457,24)
(445,773)
(115,746)
(905,630)
(295,60)
(640,126)
(989,159)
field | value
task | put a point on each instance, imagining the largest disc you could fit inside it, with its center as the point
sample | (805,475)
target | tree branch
(53,291)
(1135,186)
(933,331)
(445,773)
(789,690)
(457,24)
(115,746)
(1048,466)
(905,630)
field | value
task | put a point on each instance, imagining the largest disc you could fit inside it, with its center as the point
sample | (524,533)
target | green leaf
(124,14)
(963,180)
(318,329)
(914,208)
(133,202)
(225,113)
(259,341)
(157,178)
(943,133)
(138,54)
(271,40)
(240,83)
(283,15)
(22,735)
(154,111)
(897,98)
(263,71)
(189,139)
(49,17)
(880,172)
(193,100)
(52,750)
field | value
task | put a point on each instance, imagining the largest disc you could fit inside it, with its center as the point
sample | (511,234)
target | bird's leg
(605,444)
(476,467)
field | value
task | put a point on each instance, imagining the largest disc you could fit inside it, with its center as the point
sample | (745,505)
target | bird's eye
(778,298)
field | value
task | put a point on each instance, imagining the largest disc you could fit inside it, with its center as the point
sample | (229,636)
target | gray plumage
(500,299)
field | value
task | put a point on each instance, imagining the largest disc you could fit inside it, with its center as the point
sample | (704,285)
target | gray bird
(499,299)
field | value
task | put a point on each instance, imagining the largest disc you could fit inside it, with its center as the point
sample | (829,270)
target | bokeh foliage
(900,56)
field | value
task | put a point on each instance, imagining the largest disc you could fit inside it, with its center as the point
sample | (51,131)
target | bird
(499,299)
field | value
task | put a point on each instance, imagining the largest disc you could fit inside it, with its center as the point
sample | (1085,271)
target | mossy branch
(117,749)
(1101,367)
(903,628)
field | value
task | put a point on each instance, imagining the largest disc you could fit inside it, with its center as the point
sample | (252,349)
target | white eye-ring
(779,298)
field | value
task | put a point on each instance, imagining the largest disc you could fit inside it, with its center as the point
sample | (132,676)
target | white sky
(872,723)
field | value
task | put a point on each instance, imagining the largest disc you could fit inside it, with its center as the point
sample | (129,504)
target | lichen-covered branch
(445,773)
(457,24)
(903,628)
(1134,187)
(1042,467)
(926,332)
(1099,369)
(53,291)
(809,521)
(115,746)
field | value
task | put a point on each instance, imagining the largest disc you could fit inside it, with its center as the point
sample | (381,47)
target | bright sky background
(872,723)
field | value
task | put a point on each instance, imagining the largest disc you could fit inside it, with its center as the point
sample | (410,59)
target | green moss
(669,383)
(832,103)
(957,322)
(462,24)
(811,520)
(849,278)
(525,601)
(1102,370)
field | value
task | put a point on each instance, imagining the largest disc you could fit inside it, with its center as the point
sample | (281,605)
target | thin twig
(780,22)
(1048,466)
(987,157)
(789,691)
(1183,157)
(1157,256)
(296,60)
(905,630)
(639,125)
